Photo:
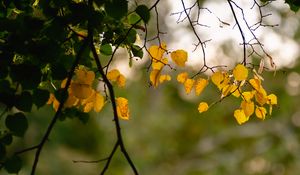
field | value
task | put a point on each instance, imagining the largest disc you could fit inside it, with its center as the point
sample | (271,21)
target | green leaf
(17,124)
(2,151)
(24,101)
(13,164)
(28,75)
(58,71)
(106,49)
(137,51)
(143,12)
(40,97)
(116,8)
(131,37)
(294,4)
(133,18)
(6,139)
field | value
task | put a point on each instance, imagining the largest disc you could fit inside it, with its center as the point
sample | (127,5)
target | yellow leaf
(200,84)
(188,85)
(121,81)
(163,78)
(203,106)
(88,107)
(113,75)
(159,64)
(240,116)
(84,77)
(260,112)
(272,99)
(157,52)
(248,107)
(179,57)
(71,100)
(182,77)
(240,72)
(122,108)
(235,90)
(154,77)
(52,100)
(99,102)
(255,83)
(261,96)
(220,79)
(247,95)
(81,91)
(226,90)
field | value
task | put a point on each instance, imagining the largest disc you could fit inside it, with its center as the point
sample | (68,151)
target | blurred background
(166,135)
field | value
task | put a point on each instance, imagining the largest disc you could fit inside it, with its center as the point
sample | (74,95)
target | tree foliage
(60,53)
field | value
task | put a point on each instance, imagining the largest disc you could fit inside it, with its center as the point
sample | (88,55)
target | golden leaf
(121,81)
(200,84)
(122,108)
(84,77)
(240,72)
(203,106)
(247,95)
(179,57)
(163,78)
(159,64)
(260,112)
(81,91)
(235,90)
(113,75)
(157,52)
(240,116)
(154,77)
(182,77)
(220,79)
(188,85)
(99,102)
(248,107)
(261,96)
(272,99)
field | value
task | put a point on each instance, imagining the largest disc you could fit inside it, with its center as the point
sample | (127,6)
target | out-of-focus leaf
(24,101)
(13,164)
(40,97)
(106,49)
(143,12)
(17,124)
(116,8)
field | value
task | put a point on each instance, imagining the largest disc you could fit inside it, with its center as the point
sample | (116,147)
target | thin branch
(241,32)
(114,106)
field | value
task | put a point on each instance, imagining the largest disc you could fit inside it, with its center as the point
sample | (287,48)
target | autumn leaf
(157,52)
(220,79)
(235,90)
(203,106)
(115,76)
(247,95)
(240,116)
(260,112)
(84,77)
(248,107)
(159,64)
(240,72)
(81,91)
(200,84)
(154,77)
(182,77)
(188,85)
(272,99)
(163,78)
(122,108)
(179,57)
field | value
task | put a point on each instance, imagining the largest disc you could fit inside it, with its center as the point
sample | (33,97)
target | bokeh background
(166,135)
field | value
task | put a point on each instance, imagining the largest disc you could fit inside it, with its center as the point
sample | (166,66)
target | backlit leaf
(272,99)
(122,108)
(182,77)
(240,72)
(240,116)
(248,107)
(188,85)
(260,112)
(200,84)
(179,57)
(203,106)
